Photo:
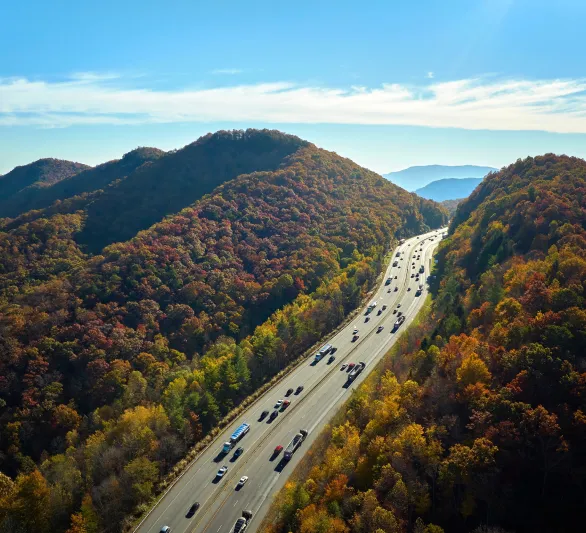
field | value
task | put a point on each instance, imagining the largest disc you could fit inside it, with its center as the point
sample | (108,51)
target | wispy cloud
(429,75)
(493,104)
(227,71)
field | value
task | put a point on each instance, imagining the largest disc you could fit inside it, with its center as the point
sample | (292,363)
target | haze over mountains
(416,177)
(448,189)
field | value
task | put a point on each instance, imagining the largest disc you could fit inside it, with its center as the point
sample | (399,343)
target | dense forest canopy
(483,423)
(33,177)
(113,365)
(85,181)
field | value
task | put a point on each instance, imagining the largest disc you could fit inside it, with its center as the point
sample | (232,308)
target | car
(384,307)
(394,311)
(286,404)
(222,471)
(242,481)
(289,392)
(351,366)
(278,450)
(395,278)
(379,312)
(192,510)
(389,290)
(398,305)
(413,266)
(354,338)
(343,367)
(412,275)
(240,525)
(396,289)
(379,329)
(408,289)
(331,359)
(278,404)
(367,319)
(264,414)
(399,313)
(299,389)
(274,415)
(238,452)
(355,331)
(165,529)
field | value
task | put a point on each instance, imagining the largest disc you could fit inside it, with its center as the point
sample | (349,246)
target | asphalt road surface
(326,387)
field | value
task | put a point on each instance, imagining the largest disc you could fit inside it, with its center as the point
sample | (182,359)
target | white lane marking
(220,527)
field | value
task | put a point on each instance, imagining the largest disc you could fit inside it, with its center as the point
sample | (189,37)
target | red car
(285,405)
(278,449)
(351,365)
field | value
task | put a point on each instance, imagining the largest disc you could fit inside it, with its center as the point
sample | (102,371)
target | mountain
(112,366)
(39,196)
(413,178)
(448,189)
(477,423)
(41,173)
(451,205)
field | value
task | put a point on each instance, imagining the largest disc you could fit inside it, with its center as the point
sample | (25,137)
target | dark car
(379,311)
(289,392)
(331,359)
(263,415)
(192,510)
(274,415)
(299,389)
(367,319)
(394,311)
(238,452)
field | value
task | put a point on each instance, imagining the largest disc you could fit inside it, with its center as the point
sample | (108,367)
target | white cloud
(547,105)
(227,71)
(429,75)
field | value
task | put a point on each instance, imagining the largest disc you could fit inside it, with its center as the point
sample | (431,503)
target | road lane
(221,505)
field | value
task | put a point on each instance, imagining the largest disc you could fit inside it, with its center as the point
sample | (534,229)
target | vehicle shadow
(219,457)
(280,466)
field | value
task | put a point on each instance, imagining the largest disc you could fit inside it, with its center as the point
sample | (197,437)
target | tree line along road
(325,388)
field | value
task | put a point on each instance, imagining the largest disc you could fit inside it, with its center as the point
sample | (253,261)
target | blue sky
(388,84)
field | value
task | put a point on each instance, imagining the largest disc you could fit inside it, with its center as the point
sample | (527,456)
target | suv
(299,389)
(274,415)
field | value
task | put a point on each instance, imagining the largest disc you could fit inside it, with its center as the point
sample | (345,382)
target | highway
(325,389)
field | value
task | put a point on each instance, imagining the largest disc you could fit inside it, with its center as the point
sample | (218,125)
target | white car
(242,481)
(278,404)
(355,331)
(222,471)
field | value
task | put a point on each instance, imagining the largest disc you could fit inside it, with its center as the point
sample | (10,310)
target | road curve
(325,389)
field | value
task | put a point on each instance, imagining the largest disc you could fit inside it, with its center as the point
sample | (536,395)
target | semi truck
(294,444)
(241,430)
(324,350)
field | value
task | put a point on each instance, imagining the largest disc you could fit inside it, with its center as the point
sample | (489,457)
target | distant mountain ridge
(41,173)
(41,195)
(413,178)
(448,189)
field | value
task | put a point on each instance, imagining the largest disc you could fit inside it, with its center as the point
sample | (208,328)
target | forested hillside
(112,366)
(484,423)
(91,179)
(40,174)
